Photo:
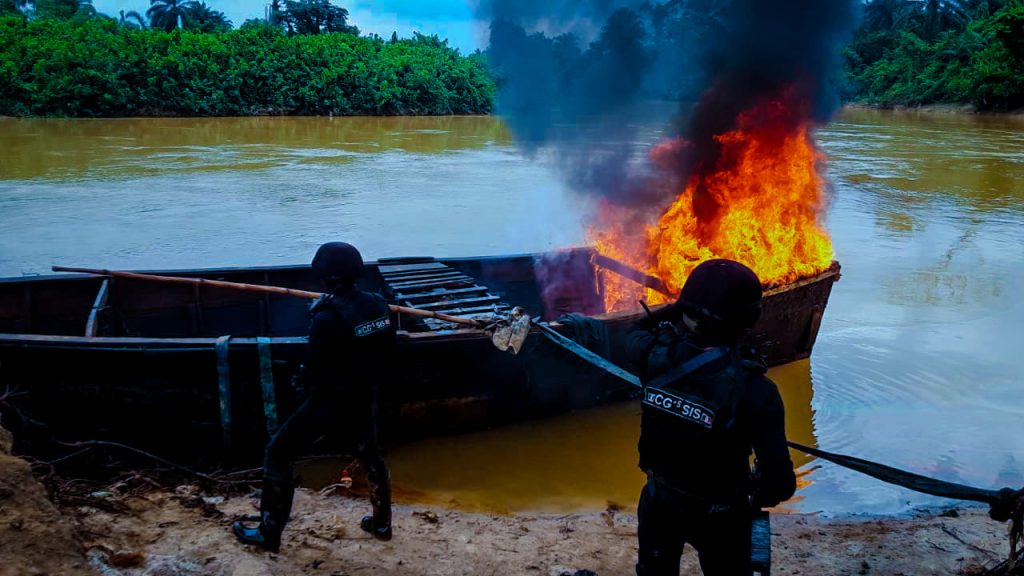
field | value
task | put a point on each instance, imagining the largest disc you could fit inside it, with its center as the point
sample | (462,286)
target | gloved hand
(650,322)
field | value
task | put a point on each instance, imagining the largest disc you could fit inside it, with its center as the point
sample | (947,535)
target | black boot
(379,524)
(257,536)
(275,506)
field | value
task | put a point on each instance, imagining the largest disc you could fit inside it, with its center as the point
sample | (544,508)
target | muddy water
(144,193)
(917,363)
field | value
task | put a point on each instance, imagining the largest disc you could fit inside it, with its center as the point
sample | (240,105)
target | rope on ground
(1004,505)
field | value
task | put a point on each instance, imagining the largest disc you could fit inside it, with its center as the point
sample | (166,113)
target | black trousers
(669,519)
(322,413)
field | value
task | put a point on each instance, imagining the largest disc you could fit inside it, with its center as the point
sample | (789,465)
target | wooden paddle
(261,288)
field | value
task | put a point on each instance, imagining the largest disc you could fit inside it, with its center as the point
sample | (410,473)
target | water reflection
(582,461)
(917,363)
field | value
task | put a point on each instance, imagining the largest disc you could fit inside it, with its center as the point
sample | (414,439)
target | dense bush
(977,60)
(95,67)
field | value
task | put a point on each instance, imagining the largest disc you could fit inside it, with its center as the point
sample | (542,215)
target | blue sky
(452,19)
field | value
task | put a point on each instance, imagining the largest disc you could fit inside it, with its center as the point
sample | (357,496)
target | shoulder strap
(321,303)
(689,366)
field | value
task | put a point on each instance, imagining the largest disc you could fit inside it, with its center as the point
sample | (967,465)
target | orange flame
(758,201)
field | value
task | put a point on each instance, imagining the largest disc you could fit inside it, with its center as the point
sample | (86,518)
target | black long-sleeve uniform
(697,433)
(351,343)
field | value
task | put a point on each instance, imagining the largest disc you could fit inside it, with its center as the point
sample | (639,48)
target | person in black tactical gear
(351,341)
(706,404)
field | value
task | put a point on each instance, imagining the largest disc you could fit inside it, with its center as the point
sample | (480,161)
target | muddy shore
(166,533)
(184,532)
(136,527)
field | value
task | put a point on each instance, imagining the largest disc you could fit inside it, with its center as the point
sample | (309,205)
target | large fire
(757,199)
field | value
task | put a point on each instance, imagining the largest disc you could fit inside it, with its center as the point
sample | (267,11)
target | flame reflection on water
(583,461)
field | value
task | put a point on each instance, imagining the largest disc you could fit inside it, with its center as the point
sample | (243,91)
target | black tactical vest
(367,347)
(692,434)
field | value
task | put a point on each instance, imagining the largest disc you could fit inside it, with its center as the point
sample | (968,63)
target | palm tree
(168,14)
(202,18)
(85,8)
(59,8)
(315,16)
(275,13)
(140,22)
(944,15)
(885,15)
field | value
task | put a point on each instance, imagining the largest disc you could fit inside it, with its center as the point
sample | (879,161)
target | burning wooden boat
(205,372)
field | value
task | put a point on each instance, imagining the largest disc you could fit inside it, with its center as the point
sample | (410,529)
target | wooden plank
(405,279)
(440,293)
(424,277)
(404,267)
(444,283)
(439,306)
(92,324)
(399,276)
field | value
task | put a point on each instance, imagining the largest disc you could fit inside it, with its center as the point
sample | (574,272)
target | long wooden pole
(626,271)
(260,288)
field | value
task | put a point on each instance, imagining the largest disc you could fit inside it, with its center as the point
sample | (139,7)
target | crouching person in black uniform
(706,405)
(351,341)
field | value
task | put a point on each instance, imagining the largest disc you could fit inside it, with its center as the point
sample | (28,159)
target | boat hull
(181,394)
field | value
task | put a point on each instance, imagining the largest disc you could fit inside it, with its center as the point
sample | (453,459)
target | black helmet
(338,263)
(723,296)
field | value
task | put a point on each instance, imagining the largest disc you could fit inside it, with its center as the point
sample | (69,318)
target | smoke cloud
(578,78)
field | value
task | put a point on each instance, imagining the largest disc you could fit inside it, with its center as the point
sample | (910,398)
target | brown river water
(919,359)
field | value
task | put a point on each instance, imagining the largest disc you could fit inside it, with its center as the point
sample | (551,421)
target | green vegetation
(59,58)
(920,52)
(182,57)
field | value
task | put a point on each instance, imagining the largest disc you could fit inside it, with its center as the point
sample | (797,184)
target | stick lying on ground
(261,288)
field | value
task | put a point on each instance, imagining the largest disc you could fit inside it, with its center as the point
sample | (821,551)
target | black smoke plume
(578,78)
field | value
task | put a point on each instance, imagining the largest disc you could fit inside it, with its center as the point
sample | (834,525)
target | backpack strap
(691,365)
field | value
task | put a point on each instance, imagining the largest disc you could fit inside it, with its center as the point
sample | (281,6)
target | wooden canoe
(206,373)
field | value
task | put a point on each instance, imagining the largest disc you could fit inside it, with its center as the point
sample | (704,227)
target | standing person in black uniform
(706,405)
(351,342)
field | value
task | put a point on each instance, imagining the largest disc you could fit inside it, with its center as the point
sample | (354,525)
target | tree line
(921,52)
(61,58)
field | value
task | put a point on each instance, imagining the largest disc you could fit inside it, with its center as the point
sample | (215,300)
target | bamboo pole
(243,287)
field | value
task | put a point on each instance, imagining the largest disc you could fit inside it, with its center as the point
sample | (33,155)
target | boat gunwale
(460,334)
(832,272)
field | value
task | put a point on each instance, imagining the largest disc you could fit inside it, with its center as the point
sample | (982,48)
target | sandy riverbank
(158,530)
(136,527)
(162,532)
